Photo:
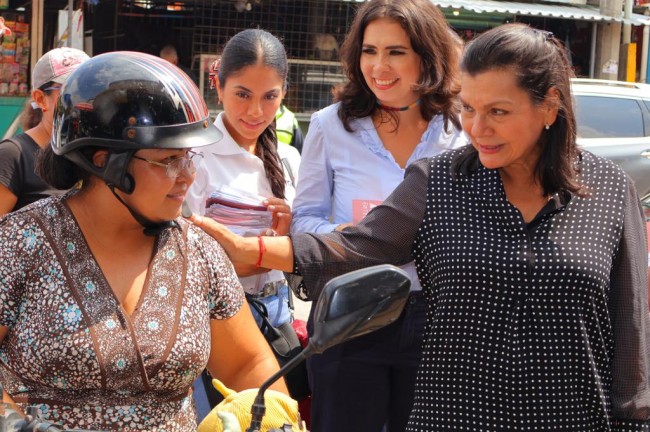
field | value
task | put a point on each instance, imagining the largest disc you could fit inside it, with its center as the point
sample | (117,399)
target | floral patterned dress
(74,352)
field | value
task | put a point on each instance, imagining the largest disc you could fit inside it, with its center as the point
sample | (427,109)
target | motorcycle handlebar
(11,421)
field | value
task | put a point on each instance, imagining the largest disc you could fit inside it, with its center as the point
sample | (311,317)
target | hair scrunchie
(213,74)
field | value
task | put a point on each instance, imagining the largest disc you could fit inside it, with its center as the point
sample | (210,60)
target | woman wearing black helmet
(110,306)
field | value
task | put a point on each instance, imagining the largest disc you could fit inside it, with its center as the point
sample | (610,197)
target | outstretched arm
(385,235)
(268,252)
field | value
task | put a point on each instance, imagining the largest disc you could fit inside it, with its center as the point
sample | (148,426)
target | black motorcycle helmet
(123,102)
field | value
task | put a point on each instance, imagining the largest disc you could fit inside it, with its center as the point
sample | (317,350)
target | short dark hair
(540,63)
(59,171)
(429,35)
(250,47)
(30,117)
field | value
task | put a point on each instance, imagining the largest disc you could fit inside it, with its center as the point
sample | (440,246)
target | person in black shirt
(19,185)
(531,253)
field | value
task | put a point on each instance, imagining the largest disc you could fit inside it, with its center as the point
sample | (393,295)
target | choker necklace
(404,108)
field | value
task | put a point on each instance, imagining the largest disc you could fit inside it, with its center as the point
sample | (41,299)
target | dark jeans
(368,382)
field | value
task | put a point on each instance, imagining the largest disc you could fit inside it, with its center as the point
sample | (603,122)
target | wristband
(260,240)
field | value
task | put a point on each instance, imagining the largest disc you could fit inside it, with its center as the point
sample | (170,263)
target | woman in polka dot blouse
(531,253)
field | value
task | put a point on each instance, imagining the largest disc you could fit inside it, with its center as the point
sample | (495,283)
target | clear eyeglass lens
(177,166)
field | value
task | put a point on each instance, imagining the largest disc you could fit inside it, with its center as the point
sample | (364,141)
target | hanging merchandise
(14,55)
(4,30)
(62,32)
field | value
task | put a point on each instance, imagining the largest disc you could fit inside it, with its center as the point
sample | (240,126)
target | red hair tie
(213,74)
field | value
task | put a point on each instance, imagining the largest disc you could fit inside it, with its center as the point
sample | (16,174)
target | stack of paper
(243,213)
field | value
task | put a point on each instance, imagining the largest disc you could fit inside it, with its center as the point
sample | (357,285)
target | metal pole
(117,11)
(70,13)
(644,55)
(37,31)
(592,53)
(627,27)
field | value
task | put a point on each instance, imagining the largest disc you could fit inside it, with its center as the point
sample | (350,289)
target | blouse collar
(365,129)
(489,187)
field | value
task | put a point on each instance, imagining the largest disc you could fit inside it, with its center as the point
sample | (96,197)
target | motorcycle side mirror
(358,303)
(349,306)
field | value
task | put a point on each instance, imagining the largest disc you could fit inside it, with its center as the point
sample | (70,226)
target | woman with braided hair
(251,78)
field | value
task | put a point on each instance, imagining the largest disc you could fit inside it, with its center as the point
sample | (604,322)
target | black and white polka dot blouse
(538,326)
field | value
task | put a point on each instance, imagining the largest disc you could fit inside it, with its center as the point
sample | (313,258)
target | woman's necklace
(404,108)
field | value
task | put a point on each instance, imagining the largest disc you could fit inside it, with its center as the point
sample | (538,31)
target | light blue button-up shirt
(344,174)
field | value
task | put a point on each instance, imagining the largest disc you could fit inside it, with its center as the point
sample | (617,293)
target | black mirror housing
(357,303)
(350,305)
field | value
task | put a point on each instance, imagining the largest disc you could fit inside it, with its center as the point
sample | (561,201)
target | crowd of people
(528,255)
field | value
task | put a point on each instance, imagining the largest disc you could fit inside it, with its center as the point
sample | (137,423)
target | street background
(301,309)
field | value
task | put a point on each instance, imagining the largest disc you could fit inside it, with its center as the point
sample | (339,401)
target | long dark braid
(267,150)
(247,48)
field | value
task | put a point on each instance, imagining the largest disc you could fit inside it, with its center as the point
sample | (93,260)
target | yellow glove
(280,410)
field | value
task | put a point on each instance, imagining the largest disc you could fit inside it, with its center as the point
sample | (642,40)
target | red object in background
(4,30)
(304,406)
(300,327)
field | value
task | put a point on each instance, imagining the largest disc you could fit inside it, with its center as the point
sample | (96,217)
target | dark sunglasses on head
(50,87)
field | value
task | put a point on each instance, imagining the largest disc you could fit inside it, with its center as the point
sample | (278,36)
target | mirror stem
(258,409)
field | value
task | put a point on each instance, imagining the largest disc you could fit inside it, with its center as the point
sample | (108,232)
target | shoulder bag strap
(285,162)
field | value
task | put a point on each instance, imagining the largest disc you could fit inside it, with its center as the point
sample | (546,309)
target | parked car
(645,202)
(614,122)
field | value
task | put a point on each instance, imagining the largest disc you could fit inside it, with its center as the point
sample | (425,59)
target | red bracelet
(260,240)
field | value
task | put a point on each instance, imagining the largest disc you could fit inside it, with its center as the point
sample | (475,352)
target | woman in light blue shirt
(398,107)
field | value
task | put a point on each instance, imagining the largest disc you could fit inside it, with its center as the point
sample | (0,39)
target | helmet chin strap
(150,228)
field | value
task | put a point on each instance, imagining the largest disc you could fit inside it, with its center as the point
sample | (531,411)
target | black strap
(266,327)
(150,228)
(285,162)
(283,339)
(291,301)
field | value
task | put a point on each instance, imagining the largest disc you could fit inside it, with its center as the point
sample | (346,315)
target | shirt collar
(488,184)
(227,145)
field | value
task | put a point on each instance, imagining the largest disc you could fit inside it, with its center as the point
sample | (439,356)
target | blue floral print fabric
(74,352)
